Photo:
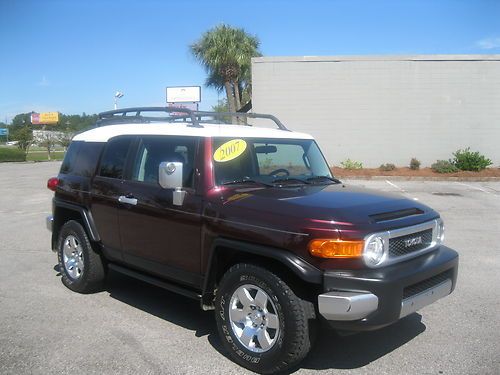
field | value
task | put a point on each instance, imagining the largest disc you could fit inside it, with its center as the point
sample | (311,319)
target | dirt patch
(407,172)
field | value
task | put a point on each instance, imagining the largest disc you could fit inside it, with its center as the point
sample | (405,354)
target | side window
(154,150)
(81,158)
(70,158)
(88,156)
(114,157)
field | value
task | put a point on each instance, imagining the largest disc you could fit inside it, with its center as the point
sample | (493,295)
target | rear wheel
(81,267)
(262,323)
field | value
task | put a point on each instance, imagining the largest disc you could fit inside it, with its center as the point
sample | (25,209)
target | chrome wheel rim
(254,318)
(73,257)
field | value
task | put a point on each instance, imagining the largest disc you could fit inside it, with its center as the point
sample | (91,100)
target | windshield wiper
(289,179)
(244,181)
(332,179)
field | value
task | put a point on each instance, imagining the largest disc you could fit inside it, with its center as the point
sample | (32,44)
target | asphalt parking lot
(133,328)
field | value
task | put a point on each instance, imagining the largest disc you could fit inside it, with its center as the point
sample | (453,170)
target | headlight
(374,252)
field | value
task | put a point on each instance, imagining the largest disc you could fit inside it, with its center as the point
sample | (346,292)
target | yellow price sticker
(230,150)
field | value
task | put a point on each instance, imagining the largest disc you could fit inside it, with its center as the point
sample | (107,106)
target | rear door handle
(127,200)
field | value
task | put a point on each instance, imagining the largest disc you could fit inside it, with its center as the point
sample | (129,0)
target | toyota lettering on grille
(413,241)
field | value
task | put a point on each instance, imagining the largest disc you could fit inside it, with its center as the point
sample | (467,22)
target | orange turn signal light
(328,248)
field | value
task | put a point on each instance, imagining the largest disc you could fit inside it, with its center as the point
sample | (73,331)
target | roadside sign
(184,94)
(45,118)
(4,132)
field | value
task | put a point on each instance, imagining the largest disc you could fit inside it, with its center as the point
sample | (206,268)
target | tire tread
(299,310)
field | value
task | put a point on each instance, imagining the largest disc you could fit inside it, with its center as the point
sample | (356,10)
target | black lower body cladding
(392,284)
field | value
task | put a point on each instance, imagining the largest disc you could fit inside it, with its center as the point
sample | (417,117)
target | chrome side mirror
(170,177)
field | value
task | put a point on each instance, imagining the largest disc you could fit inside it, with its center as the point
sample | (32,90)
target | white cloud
(488,43)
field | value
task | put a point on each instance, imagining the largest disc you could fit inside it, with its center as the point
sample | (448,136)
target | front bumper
(359,300)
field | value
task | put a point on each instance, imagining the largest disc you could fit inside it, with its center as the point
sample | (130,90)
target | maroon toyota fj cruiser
(249,221)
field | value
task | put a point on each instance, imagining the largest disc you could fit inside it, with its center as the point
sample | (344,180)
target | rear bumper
(369,299)
(49,222)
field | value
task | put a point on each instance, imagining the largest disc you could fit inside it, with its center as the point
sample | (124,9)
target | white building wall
(40,136)
(385,109)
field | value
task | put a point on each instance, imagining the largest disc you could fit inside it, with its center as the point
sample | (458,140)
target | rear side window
(114,157)
(69,161)
(88,156)
(81,158)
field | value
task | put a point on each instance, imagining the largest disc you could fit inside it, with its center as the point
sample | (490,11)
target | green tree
(24,136)
(226,54)
(221,106)
(20,130)
(64,139)
(20,120)
(48,139)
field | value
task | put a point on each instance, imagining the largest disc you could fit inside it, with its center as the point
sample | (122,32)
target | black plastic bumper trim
(388,285)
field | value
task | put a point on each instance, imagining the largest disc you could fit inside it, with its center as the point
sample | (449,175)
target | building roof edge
(450,57)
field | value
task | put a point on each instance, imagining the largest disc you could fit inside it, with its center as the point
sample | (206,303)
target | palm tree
(225,52)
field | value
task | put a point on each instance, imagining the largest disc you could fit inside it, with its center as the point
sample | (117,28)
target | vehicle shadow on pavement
(332,351)
(161,303)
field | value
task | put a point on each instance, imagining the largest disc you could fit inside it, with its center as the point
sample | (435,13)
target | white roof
(104,133)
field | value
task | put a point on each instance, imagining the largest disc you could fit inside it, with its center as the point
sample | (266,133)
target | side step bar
(156,281)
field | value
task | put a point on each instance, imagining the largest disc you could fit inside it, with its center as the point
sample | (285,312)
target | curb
(421,178)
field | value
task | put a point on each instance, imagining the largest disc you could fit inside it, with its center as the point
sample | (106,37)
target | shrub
(414,164)
(11,154)
(387,167)
(468,160)
(351,164)
(444,166)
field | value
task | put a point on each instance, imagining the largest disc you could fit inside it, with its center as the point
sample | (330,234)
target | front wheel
(261,322)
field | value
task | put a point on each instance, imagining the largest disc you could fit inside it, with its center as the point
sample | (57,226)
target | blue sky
(72,56)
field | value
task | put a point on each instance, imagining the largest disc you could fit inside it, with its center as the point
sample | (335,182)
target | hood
(337,203)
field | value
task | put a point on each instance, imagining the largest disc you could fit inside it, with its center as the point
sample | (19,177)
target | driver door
(156,235)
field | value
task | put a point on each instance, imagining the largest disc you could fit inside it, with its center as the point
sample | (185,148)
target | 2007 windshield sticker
(230,150)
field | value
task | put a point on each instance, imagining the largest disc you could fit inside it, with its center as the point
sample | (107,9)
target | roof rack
(135,115)
(180,115)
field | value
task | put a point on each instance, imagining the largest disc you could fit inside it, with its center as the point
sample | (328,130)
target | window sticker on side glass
(230,150)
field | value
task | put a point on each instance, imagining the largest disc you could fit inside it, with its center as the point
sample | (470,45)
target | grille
(421,286)
(399,246)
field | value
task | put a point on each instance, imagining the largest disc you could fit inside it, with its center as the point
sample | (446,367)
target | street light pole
(118,95)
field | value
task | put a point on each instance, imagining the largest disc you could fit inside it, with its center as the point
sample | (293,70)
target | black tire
(292,339)
(92,275)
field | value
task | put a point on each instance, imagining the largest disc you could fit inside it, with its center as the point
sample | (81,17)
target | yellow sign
(49,117)
(230,150)
(45,118)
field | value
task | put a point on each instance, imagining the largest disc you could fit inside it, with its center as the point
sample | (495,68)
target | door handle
(127,200)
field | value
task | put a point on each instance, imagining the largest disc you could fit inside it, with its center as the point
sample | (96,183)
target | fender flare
(86,215)
(305,271)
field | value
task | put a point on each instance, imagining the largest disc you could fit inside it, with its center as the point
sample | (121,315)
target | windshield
(269,161)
